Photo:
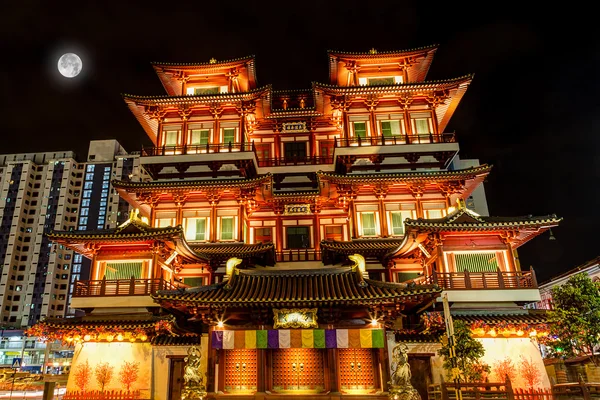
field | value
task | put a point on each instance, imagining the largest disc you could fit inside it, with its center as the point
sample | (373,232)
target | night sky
(531,111)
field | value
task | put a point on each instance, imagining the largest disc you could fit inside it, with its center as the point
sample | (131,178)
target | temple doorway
(298,371)
(356,370)
(240,371)
(176,378)
(420,367)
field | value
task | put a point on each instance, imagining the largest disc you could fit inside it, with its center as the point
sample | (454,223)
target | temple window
(263,151)
(298,237)
(359,129)
(421,123)
(227,228)
(199,137)
(204,90)
(196,228)
(171,138)
(263,235)
(229,133)
(434,210)
(397,221)
(294,150)
(368,224)
(475,261)
(379,80)
(334,232)
(113,270)
(165,218)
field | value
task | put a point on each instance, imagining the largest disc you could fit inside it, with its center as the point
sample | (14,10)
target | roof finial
(373,50)
(213,60)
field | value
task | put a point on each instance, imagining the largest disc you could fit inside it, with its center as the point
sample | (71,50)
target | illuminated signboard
(295,318)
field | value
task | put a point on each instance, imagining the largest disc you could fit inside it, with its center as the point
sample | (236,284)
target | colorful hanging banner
(299,338)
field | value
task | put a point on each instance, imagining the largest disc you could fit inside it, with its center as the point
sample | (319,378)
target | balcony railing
(483,280)
(396,140)
(283,161)
(197,149)
(298,255)
(121,287)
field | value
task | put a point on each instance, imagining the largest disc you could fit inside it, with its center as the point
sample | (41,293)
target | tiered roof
(296,288)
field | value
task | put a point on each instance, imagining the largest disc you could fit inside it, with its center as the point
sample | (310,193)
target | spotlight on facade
(373,322)
(220,324)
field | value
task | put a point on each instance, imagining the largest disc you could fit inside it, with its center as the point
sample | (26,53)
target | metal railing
(298,255)
(483,280)
(396,140)
(121,287)
(197,149)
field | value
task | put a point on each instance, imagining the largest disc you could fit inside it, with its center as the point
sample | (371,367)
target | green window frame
(367,220)
(360,129)
(227,228)
(228,136)
(199,136)
(390,128)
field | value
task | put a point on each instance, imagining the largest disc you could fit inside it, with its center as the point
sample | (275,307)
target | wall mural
(112,367)
(520,359)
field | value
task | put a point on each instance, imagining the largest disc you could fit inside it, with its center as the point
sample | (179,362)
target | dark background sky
(531,111)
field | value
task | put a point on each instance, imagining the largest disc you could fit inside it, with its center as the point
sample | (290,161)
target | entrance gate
(298,370)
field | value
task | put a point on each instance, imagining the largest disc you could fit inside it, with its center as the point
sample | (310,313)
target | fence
(98,395)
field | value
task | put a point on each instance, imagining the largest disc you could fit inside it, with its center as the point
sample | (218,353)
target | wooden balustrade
(283,161)
(483,280)
(98,395)
(298,255)
(198,149)
(396,140)
(121,287)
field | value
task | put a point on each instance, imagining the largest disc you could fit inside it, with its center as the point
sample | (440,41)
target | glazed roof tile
(327,286)
(493,318)
(204,63)
(217,251)
(191,99)
(399,87)
(127,232)
(466,173)
(466,220)
(191,184)
(171,340)
(362,246)
(369,54)
(125,322)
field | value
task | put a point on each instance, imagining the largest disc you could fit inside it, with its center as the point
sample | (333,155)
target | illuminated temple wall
(113,356)
(161,366)
(497,349)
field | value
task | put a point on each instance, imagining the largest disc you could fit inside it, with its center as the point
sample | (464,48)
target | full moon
(69,65)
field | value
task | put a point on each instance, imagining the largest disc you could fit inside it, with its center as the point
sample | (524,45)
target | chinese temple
(297,236)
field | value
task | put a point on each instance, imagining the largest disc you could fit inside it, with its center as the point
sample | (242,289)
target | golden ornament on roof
(373,50)
(212,61)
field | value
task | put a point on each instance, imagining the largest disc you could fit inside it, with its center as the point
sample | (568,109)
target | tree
(104,374)
(530,372)
(83,374)
(468,355)
(574,324)
(129,373)
(505,368)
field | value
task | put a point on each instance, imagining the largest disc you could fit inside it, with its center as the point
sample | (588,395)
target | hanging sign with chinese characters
(294,127)
(295,318)
(296,209)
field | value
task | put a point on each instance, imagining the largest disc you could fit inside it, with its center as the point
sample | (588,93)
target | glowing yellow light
(55,364)
(220,324)
(492,333)
(520,333)
(143,338)
(87,338)
(132,339)
(110,338)
(451,209)
(120,337)
(533,333)
(373,322)
(69,339)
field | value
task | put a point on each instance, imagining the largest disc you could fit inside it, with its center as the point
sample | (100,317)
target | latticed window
(227,228)
(228,135)
(199,136)
(476,262)
(123,270)
(298,237)
(171,138)
(367,220)
(398,218)
(195,228)
(360,129)
(390,128)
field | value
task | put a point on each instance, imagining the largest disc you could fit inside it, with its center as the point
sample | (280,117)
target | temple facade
(298,236)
